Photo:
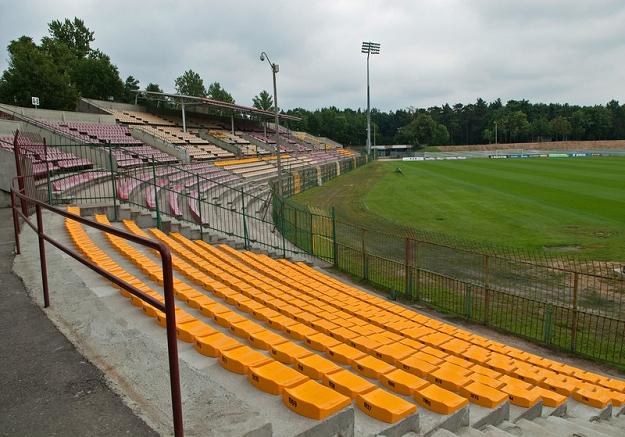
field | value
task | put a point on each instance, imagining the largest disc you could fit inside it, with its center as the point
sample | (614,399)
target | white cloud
(433,51)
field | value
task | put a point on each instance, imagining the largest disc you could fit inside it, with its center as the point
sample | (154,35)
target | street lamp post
(274,69)
(370,48)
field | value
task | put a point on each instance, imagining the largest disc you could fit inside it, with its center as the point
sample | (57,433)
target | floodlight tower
(370,48)
(274,69)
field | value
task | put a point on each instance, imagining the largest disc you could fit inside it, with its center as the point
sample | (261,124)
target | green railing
(568,304)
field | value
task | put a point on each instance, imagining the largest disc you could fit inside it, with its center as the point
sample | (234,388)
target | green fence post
(363,248)
(113,183)
(246,242)
(334,245)
(312,248)
(548,324)
(156,202)
(486,281)
(199,205)
(575,315)
(408,269)
(281,221)
(468,302)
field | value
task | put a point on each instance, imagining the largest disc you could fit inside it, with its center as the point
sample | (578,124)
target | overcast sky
(433,51)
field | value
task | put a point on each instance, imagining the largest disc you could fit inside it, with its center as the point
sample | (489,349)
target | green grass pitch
(559,205)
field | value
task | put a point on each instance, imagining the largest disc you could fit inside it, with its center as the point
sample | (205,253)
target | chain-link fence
(567,303)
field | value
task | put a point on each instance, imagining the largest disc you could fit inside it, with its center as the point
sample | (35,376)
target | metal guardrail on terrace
(21,205)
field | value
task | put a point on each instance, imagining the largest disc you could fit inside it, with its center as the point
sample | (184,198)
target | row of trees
(475,123)
(64,66)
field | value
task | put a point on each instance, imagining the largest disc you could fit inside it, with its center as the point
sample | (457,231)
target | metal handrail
(169,307)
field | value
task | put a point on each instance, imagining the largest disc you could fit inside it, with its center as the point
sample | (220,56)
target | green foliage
(560,127)
(153,87)
(95,77)
(190,84)
(33,72)
(130,85)
(216,92)
(73,34)
(63,67)
(263,101)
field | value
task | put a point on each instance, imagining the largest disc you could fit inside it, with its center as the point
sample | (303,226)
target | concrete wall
(8,127)
(203,133)
(93,104)
(159,144)
(7,169)
(48,114)
(259,144)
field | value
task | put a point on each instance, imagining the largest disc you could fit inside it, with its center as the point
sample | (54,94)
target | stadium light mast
(370,48)
(274,69)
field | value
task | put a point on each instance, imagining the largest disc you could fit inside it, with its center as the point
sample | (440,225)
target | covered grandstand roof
(193,100)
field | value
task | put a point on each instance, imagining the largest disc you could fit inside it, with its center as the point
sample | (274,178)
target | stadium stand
(321,344)
(56,160)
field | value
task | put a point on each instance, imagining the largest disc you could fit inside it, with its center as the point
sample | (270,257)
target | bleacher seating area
(56,160)
(321,344)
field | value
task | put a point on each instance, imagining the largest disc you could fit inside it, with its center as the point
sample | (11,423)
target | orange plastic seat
(321,342)
(316,366)
(343,334)
(299,331)
(402,382)
(393,353)
(245,328)
(561,385)
(313,400)
(550,398)
(597,399)
(372,367)
(265,339)
(483,395)
(211,345)
(344,354)
(228,318)
(347,383)
(439,400)
(273,377)
(384,406)
(190,330)
(449,379)
(417,366)
(365,344)
(281,322)
(238,360)
(288,352)
(521,396)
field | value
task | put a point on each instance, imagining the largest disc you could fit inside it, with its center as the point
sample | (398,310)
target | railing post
(334,244)
(172,342)
(48,184)
(199,205)
(156,202)
(246,242)
(281,221)
(408,268)
(486,279)
(42,257)
(16,222)
(312,239)
(113,182)
(548,324)
(575,313)
(363,248)
(468,302)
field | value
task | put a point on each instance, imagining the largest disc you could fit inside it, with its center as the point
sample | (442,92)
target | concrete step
(571,428)
(492,431)
(607,427)
(531,428)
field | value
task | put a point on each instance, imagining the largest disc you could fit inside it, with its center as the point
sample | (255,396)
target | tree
(263,101)
(440,135)
(190,84)
(561,127)
(130,85)
(32,72)
(153,87)
(95,77)
(74,34)
(216,92)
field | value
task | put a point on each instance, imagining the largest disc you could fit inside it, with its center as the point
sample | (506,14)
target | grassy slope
(519,203)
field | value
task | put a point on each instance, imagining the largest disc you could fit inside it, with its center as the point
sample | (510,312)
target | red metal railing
(168,307)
